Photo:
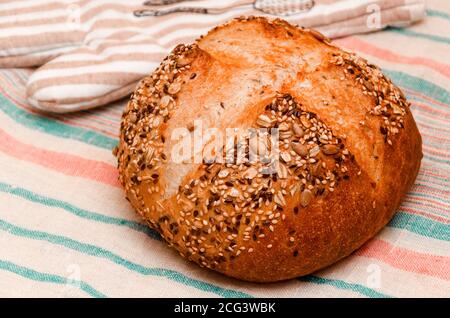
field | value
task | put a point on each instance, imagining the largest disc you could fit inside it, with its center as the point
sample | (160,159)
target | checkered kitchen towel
(66,229)
(95,52)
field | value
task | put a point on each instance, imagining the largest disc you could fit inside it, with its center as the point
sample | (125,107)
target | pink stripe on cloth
(407,260)
(441,114)
(354,43)
(425,214)
(429,215)
(445,208)
(64,163)
(429,99)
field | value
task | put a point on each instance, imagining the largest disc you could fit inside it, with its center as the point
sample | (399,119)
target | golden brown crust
(349,151)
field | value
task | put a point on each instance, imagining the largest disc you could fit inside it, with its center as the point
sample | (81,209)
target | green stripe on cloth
(48,278)
(437,160)
(418,84)
(96,251)
(405,221)
(54,127)
(363,290)
(408,32)
(436,13)
(421,225)
(47,201)
(28,195)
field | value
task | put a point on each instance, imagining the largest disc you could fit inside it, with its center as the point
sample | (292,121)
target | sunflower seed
(298,131)
(285,134)
(198,224)
(234,192)
(316,169)
(282,171)
(305,121)
(132,117)
(283,127)
(300,149)
(258,147)
(264,121)
(183,61)
(174,88)
(223,173)
(156,122)
(294,188)
(330,149)
(165,101)
(279,199)
(305,198)
(149,155)
(286,157)
(368,85)
(250,173)
(397,110)
(314,151)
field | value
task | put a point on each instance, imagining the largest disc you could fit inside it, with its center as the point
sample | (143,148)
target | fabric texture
(93,52)
(67,231)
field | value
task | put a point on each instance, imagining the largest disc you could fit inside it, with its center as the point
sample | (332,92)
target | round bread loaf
(346,150)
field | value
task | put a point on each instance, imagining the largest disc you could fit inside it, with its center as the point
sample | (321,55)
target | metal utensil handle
(157,13)
(162,2)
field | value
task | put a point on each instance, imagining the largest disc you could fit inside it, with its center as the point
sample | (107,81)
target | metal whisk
(275,7)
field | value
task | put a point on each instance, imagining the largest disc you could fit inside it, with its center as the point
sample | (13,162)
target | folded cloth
(90,53)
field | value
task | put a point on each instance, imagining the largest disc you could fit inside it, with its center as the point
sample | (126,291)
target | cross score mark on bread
(349,149)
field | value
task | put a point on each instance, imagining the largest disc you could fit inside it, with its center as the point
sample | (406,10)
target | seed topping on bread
(247,198)
(390,102)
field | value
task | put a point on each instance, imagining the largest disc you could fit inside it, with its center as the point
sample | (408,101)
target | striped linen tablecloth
(67,231)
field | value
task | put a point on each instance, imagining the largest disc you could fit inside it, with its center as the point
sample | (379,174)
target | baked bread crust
(350,150)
